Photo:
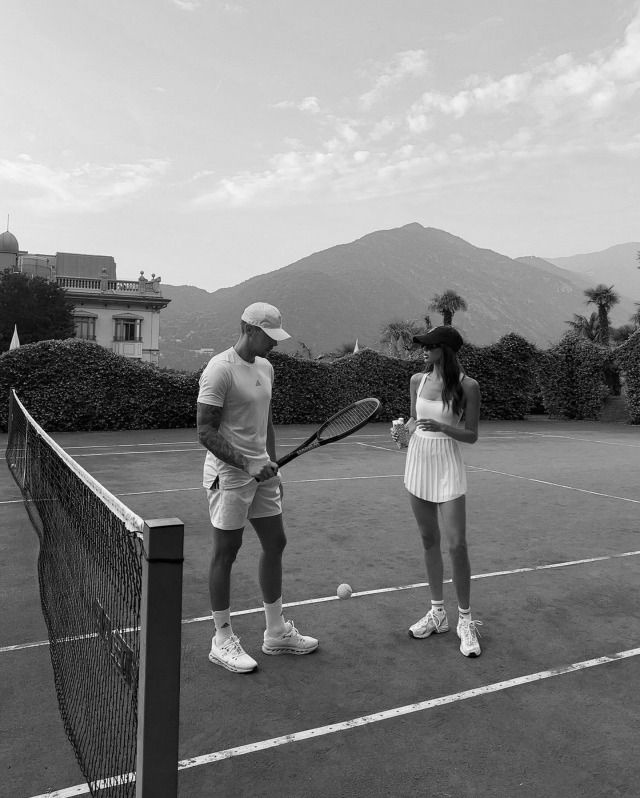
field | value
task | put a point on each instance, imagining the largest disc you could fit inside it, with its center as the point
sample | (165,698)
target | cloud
(187,5)
(489,125)
(226,7)
(87,187)
(406,64)
(309,105)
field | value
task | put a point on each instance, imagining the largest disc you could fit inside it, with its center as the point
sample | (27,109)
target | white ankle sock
(275,620)
(465,615)
(437,606)
(222,623)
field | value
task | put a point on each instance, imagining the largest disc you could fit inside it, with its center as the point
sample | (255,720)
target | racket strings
(348,419)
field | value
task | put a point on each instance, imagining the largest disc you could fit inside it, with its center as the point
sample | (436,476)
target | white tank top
(435,409)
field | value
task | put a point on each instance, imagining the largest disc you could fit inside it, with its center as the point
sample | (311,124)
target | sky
(208,141)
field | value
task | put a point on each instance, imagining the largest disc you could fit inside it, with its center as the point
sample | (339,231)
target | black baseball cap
(440,336)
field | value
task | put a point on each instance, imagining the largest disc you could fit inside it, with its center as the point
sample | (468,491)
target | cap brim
(278,334)
(421,339)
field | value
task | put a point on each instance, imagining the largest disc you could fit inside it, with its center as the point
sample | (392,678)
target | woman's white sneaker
(468,634)
(232,656)
(432,622)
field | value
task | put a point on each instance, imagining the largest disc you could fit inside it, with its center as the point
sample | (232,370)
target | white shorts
(230,508)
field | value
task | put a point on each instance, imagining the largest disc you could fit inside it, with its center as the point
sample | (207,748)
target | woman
(436,479)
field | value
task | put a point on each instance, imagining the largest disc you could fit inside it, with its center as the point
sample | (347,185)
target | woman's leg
(426,515)
(454,521)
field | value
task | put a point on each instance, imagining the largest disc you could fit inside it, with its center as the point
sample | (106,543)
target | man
(242,482)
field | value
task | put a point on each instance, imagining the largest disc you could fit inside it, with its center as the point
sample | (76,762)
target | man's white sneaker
(291,642)
(468,634)
(232,656)
(432,622)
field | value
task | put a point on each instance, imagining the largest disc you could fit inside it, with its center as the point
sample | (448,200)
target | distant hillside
(616,266)
(352,290)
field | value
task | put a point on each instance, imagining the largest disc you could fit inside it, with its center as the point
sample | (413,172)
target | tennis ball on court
(344,591)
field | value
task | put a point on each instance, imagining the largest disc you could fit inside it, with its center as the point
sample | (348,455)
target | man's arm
(208,420)
(271,437)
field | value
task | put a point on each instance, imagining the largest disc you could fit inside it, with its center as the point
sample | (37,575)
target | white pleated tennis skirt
(434,469)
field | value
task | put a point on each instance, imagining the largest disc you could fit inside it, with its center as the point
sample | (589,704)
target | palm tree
(448,304)
(604,299)
(587,327)
(398,336)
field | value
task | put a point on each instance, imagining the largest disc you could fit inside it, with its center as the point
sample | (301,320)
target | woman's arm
(413,393)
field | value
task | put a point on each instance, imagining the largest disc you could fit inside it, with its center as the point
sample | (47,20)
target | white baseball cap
(268,318)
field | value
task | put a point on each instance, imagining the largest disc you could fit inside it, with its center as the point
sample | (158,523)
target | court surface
(549,709)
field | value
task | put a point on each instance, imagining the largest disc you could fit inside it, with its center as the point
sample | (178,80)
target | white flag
(356,348)
(15,341)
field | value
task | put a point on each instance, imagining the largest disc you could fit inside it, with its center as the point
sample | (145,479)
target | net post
(160,646)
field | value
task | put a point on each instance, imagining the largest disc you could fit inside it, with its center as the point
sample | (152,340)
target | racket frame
(315,441)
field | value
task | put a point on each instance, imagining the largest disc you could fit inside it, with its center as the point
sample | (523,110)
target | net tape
(132,521)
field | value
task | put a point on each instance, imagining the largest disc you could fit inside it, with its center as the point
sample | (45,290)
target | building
(120,315)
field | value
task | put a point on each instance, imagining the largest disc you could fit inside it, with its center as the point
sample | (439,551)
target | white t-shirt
(243,391)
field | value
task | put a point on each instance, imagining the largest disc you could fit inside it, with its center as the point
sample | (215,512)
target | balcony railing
(102,285)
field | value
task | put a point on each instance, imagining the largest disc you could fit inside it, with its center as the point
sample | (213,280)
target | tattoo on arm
(209,418)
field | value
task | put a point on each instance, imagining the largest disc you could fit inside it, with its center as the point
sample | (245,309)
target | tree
(398,336)
(604,298)
(448,304)
(41,310)
(635,319)
(587,327)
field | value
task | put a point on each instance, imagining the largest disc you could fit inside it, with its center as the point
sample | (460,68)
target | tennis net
(90,572)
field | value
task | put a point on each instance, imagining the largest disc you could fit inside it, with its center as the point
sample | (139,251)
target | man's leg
(226,544)
(270,531)
(226,509)
(280,637)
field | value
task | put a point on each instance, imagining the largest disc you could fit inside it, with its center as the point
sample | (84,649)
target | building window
(128,330)
(85,327)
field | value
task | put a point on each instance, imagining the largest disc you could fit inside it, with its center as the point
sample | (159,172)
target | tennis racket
(344,422)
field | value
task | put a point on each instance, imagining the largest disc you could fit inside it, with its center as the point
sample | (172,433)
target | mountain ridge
(351,290)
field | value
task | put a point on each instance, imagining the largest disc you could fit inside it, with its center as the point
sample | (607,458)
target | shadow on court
(549,709)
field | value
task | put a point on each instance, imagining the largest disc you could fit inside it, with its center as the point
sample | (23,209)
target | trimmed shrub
(627,356)
(571,376)
(76,385)
(506,374)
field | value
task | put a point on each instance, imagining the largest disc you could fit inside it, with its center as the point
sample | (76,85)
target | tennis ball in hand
(344,591)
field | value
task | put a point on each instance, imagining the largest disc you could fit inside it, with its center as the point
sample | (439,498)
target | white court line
(376,592)
(556,485)
(194,448)
(376,717)
(582,440)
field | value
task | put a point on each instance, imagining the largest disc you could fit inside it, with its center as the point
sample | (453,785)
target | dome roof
(9,243)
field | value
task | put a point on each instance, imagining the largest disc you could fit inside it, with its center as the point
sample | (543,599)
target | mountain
(617,266)
(352,290)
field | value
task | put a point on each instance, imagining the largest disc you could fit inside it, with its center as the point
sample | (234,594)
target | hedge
(571,376)
(627,356)
(76,385)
